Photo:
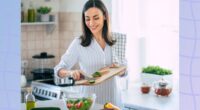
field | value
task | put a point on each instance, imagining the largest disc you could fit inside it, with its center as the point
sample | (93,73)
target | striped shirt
(91,59)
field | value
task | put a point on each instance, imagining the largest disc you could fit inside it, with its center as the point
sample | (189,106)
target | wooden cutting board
(111,72)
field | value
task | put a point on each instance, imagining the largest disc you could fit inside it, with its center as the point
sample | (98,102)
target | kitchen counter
(133,99)
(57,103)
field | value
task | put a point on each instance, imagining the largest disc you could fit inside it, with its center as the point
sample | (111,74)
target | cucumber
(91,81)
(96,74)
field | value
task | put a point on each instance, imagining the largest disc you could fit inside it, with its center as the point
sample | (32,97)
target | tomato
(69,105)
(79,105)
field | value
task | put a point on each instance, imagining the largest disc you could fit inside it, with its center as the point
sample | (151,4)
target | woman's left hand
(116,65)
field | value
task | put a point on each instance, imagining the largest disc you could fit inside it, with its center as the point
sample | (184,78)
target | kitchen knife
(86,75)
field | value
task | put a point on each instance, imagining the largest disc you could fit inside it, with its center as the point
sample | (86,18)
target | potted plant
(151,74)
(44,13)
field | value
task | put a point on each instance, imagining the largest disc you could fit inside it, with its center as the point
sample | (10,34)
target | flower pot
(44,17)
(151,78)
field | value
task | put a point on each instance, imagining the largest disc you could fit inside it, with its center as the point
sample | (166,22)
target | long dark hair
(86,36)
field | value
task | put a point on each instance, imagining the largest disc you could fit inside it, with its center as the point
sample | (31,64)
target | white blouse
(91,59)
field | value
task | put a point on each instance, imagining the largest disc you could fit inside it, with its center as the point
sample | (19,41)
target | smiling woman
(93,51)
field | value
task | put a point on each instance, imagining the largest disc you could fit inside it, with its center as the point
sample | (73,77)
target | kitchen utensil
(68,81)
(106,75)
(86,75)
(43,65)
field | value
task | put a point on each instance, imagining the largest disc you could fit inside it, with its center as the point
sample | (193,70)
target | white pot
(44,17)
(151,78)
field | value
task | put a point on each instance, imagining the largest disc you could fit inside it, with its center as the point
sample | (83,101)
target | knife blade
(86,75)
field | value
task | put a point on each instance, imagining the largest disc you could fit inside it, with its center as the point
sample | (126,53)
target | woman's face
(94,20)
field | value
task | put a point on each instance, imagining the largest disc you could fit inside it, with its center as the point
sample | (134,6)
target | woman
(92,51)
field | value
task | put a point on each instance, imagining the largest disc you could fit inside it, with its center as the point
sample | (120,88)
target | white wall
(160,29)
(77,5)
(63,5)
(152,28)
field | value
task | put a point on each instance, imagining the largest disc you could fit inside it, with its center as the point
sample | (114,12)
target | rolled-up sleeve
(69,58)
(119,50)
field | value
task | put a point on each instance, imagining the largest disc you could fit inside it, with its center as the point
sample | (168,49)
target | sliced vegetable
(110,106)
(96,74)
(79,105)
(91,81)
(69,105)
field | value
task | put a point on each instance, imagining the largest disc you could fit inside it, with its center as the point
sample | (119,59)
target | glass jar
(162,87)
(31,13)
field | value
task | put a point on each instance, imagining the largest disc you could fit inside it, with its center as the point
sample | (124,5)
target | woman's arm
(68,60)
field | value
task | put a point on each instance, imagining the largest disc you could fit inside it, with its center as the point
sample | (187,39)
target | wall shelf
(37,23)
(50,26)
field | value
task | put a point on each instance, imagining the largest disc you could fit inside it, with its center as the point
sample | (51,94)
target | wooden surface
(111,72)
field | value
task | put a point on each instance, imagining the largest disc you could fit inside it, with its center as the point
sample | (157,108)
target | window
(152,33)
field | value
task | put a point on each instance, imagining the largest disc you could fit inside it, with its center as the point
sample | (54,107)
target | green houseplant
(151,74)
(157,70)
(43,12)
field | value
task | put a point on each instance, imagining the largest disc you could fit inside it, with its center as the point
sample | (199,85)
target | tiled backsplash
(35,39)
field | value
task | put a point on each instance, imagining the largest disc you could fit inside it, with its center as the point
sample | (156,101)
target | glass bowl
(75,101)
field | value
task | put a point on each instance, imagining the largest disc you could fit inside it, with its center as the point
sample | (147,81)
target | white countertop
(133,98)
(57,103)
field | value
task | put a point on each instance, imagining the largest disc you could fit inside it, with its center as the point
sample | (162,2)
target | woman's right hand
(76,74)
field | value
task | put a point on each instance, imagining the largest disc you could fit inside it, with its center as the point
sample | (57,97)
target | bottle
(30,100)
(31,13)
(22,12)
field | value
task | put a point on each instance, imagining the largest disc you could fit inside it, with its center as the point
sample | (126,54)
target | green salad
(79,103)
